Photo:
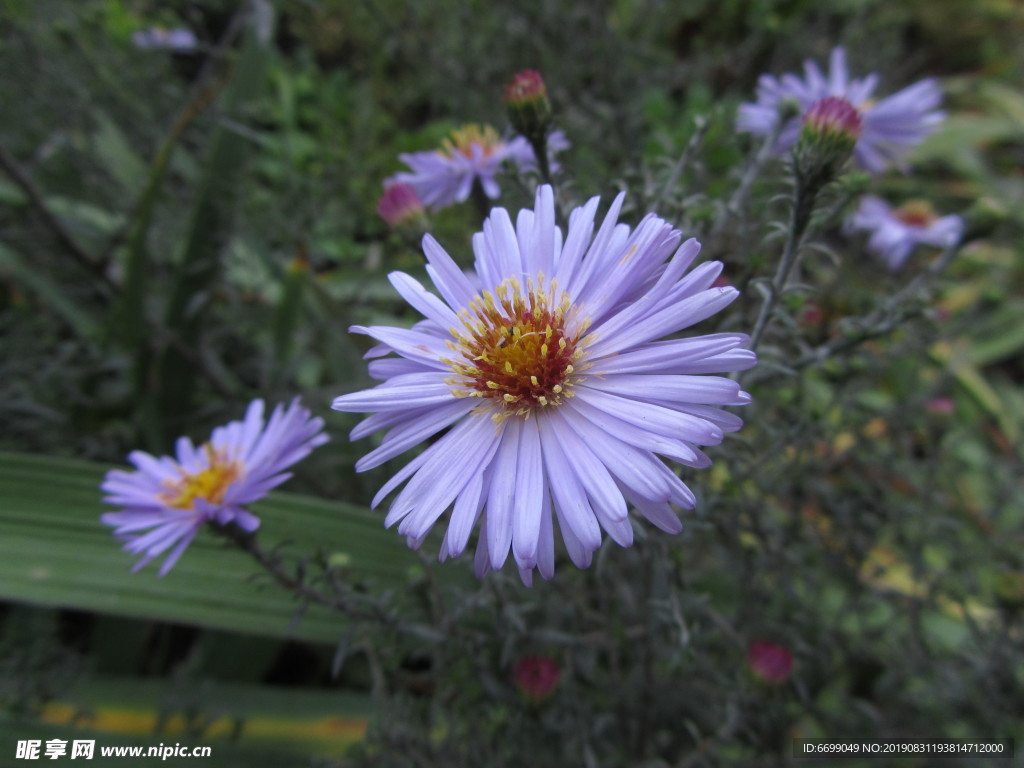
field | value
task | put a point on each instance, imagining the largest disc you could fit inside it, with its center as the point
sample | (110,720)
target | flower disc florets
(210,483)
(518,347)
(472,140)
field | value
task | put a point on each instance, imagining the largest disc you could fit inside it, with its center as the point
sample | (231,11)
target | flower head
(400,205)
(537,676)
(769,662)
(890,127)
(896,231)
(472,153)
(171,498)
(546,370)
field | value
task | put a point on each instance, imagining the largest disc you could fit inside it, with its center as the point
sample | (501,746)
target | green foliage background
(181,233)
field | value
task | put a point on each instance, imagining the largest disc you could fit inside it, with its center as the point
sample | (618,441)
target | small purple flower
(157,38)
(171,499)
(546,370)
(896,231)
(890,127)
(472,153)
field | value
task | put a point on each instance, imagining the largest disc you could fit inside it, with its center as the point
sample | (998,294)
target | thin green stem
(803,204)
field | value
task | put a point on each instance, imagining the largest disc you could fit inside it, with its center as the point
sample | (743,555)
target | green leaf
(54,551)
(115,152)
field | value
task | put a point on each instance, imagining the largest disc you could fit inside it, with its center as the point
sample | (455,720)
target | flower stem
(803,204)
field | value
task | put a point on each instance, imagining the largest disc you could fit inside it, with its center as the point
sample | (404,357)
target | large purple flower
(895,232)
(472,153)
(890,127)
(171,499)
(546,370)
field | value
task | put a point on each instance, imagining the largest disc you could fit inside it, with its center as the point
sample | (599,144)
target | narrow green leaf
(209,231)
(115,152)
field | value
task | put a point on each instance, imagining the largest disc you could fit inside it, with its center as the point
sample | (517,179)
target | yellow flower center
(209,484)
(518,348)
(465,138)
(916,213)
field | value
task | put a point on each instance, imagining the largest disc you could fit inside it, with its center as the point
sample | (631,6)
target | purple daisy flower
(890,127)
(546,370)
(896,231)
(445,176)
(171,498)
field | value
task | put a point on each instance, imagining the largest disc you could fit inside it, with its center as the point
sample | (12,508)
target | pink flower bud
(769,662)
(834,116)
(537,676)
(527,86)
(529,110)
(399,204)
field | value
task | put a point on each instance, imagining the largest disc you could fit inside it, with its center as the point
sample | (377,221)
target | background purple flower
(558,397)
(896,231)
(172,498)
(890,127)
(472,153)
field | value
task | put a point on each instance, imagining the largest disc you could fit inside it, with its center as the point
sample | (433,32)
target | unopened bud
(536,677)
(769,662)
(830,131)
(400,205)
(529,110)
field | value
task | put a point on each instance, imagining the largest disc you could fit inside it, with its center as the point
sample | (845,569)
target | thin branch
(273,564)
(35,197)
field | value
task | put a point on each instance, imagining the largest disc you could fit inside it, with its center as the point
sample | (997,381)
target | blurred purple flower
(158,38)
(472,153)
(896,231)
(890,127)
(546,371)
(173,498)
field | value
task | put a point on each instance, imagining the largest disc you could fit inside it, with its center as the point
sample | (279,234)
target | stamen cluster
(464,139)
(916,213)
(209,484)
(518,348)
